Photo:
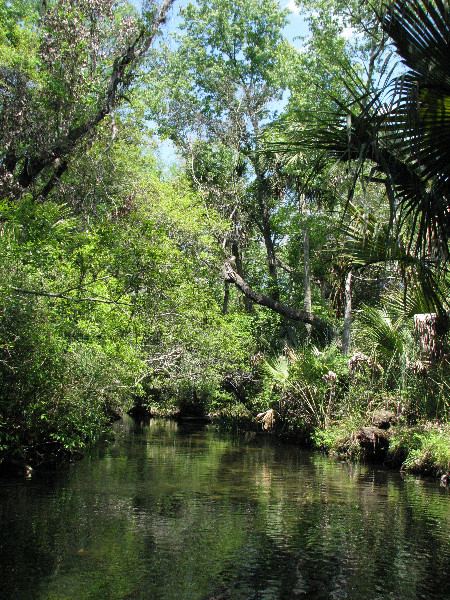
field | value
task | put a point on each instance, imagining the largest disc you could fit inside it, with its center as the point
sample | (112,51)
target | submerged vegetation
(289,273)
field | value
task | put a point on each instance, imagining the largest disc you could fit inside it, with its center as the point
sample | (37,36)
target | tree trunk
(306,263)
(270,250)
(346,335)
(431,329)
(226,297)
(248,305)
(306,276)
(263,223)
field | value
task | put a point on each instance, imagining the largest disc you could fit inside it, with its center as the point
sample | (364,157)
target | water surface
(175,513)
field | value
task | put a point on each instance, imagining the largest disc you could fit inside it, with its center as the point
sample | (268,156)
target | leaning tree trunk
(229,274)
(55,156)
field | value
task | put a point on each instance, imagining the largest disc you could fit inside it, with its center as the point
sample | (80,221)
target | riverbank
(379,438)
(423,448)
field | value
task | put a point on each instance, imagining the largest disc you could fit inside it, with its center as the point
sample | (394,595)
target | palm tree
(403,143)
(418,126)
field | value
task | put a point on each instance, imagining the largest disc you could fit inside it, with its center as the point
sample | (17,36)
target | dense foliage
(291,269)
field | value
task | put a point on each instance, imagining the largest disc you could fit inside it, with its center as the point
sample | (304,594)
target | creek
(171,512)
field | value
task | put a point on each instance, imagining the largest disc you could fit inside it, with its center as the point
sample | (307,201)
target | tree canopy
(311,202)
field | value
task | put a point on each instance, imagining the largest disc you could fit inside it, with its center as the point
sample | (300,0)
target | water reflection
(170,513)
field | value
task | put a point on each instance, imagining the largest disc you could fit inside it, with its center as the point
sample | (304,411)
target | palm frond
(411,299)
(420,31)
(370,242)
(380,332)
(405,139)
(418,128)
(277,369)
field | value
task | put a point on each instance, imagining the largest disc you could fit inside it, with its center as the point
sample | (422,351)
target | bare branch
(287,268)
(64,297)
(176,352)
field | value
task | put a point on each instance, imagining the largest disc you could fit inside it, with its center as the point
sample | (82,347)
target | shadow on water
(179,512)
